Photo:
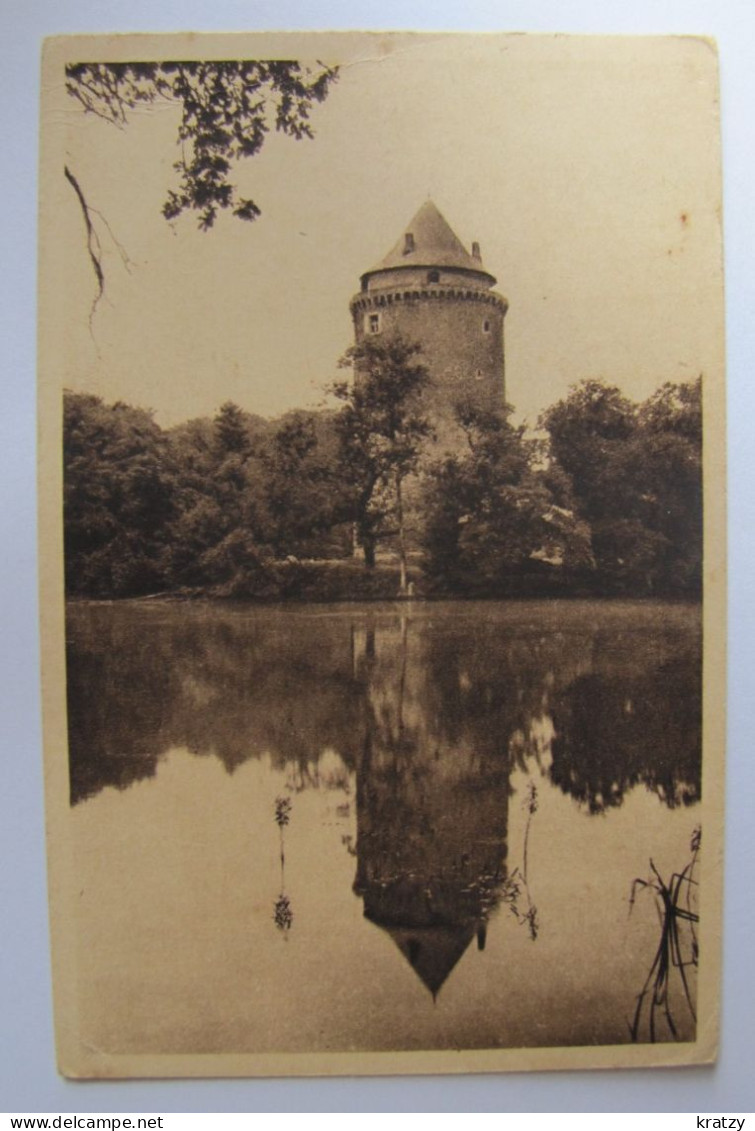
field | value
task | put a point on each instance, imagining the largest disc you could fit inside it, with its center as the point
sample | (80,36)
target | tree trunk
(402,586)
(369,542)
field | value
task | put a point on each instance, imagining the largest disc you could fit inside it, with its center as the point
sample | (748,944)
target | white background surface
(28,1080)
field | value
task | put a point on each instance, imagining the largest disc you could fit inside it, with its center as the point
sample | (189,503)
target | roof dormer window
(408,243)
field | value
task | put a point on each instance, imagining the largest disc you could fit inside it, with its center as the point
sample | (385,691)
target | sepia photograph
(382,518)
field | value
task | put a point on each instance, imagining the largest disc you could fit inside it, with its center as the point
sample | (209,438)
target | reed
(669,967)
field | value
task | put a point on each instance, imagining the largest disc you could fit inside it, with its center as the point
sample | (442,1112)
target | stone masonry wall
(460,330)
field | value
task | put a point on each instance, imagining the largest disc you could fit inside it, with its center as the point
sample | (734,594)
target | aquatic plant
(516,888)
(283,916)
(282,811)
(674,906)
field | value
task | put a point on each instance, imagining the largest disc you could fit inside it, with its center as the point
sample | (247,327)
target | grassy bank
(348,580)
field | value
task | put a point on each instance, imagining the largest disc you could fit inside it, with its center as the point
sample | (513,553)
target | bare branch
(93,243)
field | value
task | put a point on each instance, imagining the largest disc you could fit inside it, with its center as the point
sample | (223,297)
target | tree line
(606,499)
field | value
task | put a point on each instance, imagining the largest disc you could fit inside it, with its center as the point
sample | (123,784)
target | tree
(492,514)
(588,431)
(227,107)
(670,426)
(636,472)
(249,494)
(119,498)
(218,536)
(381,428)
(231,431)
(305,497)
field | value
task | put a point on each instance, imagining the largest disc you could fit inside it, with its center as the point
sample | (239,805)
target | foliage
(381,428)
(636,472)
(118,498)
(214,538)
(244,507)
(490,512)
(228,107)
(231,431)
(305,495)
(588,432)
(219,505)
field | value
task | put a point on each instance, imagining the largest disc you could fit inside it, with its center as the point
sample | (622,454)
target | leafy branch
(228,107)
(227,110)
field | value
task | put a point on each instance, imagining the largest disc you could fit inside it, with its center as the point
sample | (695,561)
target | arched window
(433,276)
(486,326)
(374,323)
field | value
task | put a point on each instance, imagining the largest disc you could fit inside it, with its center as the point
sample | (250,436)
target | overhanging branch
(93,243)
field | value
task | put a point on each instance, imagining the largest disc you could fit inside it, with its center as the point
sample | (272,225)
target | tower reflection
(432,814)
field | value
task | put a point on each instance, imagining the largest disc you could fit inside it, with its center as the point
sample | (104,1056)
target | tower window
(486,326)
(374,323)
(478,374)
(408,243)
(433,276)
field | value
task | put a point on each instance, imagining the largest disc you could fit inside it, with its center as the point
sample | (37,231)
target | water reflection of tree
(449,715)
(615,730)
(120,703)
(430,713)
(601,712)
(144,680)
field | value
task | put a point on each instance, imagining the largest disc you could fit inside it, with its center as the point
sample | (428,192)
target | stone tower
(432,291)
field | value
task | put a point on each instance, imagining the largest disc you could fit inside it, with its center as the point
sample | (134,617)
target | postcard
(382,544)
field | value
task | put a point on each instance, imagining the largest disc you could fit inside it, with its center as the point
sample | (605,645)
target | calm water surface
(379,827)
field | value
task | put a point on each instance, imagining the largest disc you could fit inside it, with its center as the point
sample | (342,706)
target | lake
(384,827)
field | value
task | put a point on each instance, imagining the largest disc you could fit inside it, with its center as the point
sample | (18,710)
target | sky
(587,169)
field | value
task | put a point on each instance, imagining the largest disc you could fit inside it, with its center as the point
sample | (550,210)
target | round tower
(432,291)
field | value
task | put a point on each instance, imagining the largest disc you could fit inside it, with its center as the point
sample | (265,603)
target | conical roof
(429,241)
(432,952)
